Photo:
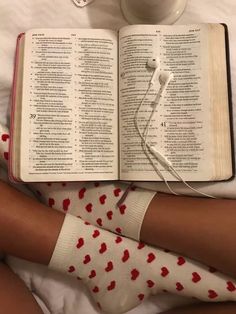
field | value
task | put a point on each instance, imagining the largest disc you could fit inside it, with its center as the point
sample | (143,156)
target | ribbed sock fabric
(120,273)
(96,202)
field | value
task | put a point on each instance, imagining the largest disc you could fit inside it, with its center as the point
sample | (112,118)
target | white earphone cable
(144,143)
(160,158)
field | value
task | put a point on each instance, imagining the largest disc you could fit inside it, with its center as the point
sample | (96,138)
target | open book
(76,92)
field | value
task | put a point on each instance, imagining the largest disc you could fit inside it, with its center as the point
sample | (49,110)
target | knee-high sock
(120,273)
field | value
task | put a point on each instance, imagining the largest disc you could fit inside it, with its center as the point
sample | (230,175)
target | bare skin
(180,224)
(15,298)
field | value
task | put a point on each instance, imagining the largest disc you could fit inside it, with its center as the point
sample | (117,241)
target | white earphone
(153,63)
(165,78)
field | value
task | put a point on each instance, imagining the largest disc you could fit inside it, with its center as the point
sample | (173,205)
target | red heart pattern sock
(120,273)
(4,145)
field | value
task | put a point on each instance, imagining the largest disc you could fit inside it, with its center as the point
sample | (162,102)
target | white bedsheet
(61,294)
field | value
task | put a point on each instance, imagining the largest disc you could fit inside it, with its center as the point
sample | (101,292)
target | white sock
(120,273)
(4,145)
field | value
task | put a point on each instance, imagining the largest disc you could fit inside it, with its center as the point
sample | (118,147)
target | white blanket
(57,293)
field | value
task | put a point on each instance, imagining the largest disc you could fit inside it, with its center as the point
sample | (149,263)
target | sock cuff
(66,242)
(137,203)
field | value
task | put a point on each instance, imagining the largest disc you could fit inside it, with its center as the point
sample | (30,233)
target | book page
(69,126)
(181,126)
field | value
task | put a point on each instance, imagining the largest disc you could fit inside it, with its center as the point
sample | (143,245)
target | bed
(57,293)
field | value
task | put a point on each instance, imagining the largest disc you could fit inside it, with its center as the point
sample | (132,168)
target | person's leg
(176,278)
(196,227)
(120,273)
(15,297)
(205,308)
(32,229)
(200,228)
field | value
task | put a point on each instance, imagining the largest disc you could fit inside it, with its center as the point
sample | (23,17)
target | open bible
(76,91)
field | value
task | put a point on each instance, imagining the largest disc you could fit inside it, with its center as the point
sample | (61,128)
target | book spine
(13,103)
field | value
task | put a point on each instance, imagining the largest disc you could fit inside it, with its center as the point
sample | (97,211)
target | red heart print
(141,296)
(117,192)
(196,277)
(86,222)
(109,266)
(92,274)
(95,289)
(103,248)
(99,222)
(71,269)
(118,230)
(141,245)
(80,243)
(164,271)
(122,209)
(66,204)
(81,193)
(118,239)
(212,269)
(51,202)
(134,274)
(150,283)
(5,137)
(96,233)
(230,286)
(87,259)
(125,256)
(181,261)
(109,215)
(212,294)
(102,199)
(6,155)
(89,207)
(111,285)
(151,258)
(179,287)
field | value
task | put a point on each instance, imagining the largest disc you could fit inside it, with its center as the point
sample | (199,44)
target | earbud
(165,78)
(153,63)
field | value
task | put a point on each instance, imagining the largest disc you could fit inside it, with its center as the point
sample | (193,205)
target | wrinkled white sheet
(58,293)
